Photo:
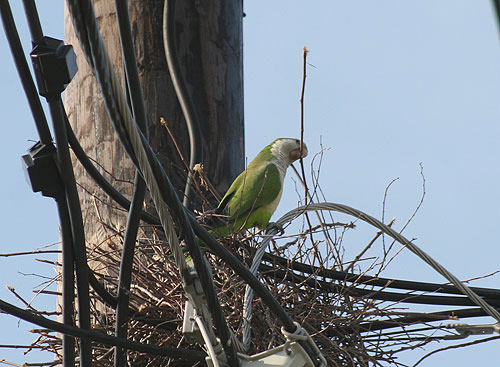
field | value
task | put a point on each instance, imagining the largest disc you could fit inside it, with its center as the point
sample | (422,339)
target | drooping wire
(99,179)
(83,17)
(330,287)
(108,82)
(291,215)
(225,254)
(66,208)
(374,281)
(68,280)
(193,355)
(75,215)
(24,73)
(185,101)
(418,318)
(136,102)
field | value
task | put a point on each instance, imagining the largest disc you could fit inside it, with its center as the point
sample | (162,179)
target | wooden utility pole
(209,44)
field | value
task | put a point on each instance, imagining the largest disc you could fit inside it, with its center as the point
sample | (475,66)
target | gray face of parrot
(296,153)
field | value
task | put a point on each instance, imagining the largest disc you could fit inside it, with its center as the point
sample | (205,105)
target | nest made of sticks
(332,311)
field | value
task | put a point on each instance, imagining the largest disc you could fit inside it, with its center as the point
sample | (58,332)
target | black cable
(75,215)
(98,337)
(496,4)
(186,103)
(24,73)
(103,76)
(259,288)
(377,281)
(33,22)
(99,179)
(68,280)
(420,318)
(125,276)
(228,257)
(139,112)
(68,294)
(281,274)
(78,9)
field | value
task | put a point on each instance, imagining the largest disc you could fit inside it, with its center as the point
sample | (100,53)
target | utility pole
(209,45)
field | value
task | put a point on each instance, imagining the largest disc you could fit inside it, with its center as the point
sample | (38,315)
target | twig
(372,241)
(35,252)
(457,346)
(164,123)
(205,182)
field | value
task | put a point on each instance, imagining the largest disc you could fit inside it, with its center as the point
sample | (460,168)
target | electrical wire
(68,280)
(68,294)
(368,293)
(99,179)
(76,220)
(293,214)
(496,5)
(136,102)
(186,103)
(33,22)
(73,205)
(419,318)
(82,11)
(24,73)
(376,281)
(232,261)
(99,337)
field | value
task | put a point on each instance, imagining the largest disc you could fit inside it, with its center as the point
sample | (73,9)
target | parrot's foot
(276,226)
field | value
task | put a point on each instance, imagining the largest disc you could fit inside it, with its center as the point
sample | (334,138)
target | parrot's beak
(304,151)
(297,154)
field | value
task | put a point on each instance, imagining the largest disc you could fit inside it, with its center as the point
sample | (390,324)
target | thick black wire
(496,4)
(64,207)
(343,276)
(78,9)
(99,179)
(185,101)
(99,337)
(125,277)
(216,247)
(419,318)
(75,215)
(136,101)
(68,280)
(68,294)
(24,73)
(372,294)
(33,22)
(228,257)
(83,16)
(376,281)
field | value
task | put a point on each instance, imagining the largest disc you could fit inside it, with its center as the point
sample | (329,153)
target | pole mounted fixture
(41,170)
(55,66)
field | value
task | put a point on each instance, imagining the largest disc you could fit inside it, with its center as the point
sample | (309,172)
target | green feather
(253,197)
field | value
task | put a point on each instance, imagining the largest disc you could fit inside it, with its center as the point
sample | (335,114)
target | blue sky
(391,84)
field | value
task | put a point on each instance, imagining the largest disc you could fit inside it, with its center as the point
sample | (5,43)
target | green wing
(253,188)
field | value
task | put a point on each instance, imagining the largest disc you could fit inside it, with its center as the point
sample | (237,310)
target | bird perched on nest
(255,194)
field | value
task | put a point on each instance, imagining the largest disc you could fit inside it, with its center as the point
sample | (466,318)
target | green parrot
(255,194)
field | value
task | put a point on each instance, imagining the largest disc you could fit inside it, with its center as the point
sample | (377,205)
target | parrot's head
(289,149)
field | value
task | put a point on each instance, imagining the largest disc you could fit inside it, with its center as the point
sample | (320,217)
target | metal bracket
(286,355)
(465,330)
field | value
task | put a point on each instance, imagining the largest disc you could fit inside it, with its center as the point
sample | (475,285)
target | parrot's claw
(276,226)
